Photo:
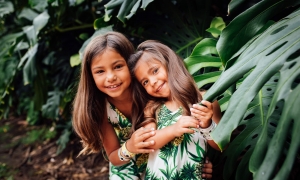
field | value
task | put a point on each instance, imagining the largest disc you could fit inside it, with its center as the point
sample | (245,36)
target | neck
(172,105)
(124,98)
(123,103)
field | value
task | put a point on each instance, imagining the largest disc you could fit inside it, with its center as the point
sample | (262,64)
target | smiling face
(153,76)
(111,74)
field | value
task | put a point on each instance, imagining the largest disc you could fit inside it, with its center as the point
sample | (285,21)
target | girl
(102,107)
(180,150)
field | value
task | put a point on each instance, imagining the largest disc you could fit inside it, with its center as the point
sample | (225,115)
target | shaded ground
(39,160)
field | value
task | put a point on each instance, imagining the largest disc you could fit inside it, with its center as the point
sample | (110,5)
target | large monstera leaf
(250,128)
(248,24)
(275,50)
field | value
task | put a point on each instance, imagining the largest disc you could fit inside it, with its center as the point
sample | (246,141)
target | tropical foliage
(262,75)
(250,56)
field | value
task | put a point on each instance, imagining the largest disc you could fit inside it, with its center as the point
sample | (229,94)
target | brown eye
(118,66)
(145,83)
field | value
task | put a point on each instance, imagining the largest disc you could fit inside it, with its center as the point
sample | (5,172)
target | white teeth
(112,86)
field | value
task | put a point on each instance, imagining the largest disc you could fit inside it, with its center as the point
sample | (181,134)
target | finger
(191,124)
(146,135)
(189,130)
(207,170)
(147,143)
(143,130)
(146,151)
(207,176)
(207,104)
(208,165)
(199,109)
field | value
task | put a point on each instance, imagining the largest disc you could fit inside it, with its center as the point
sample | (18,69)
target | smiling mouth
(159,87)
(113,86)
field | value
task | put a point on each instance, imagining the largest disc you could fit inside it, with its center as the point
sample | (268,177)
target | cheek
(149,91)
(98,81)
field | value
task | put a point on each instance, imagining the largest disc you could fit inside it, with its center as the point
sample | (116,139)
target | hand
(202,113)
(184,125)
(207,169)
(136,143)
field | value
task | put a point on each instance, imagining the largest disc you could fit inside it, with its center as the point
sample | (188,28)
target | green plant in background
(262,74)
(6,172)
(37,39)
(39,135)
(250,57)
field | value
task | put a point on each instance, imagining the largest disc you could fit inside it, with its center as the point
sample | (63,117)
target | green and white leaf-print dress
(182,158)
(135,169)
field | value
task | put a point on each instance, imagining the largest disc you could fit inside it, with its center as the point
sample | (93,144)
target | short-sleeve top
(135,169)
(182,158)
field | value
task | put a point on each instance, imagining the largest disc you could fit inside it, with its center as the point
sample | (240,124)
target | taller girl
(103,106)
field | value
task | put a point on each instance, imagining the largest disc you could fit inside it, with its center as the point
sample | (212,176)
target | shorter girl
(180,150)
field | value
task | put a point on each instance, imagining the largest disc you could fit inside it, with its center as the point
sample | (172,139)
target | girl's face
(153,77)
(111,74)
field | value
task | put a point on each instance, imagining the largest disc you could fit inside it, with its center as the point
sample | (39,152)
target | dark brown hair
(182,85)
(89,106)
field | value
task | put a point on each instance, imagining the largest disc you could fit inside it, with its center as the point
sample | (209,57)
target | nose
(153,81)
(111,77)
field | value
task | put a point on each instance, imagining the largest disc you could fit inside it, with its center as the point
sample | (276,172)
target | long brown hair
(89,106)
(182,85)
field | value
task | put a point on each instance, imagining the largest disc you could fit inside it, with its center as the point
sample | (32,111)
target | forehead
(148,58)
(144,64)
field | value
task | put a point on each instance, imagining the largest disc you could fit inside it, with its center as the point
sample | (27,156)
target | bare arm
(135,144)
(167,134)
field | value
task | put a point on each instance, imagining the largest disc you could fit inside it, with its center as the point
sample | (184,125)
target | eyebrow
(116,62)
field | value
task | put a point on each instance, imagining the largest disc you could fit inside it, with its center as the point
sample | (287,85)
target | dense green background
(245,52)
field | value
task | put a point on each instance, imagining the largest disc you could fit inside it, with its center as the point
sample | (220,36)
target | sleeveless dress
(182,158)
(135,169)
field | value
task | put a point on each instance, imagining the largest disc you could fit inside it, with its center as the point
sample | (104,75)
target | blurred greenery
(222,44)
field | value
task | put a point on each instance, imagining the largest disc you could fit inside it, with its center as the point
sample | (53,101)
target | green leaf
(29,70)
(216,26)
(223,102)
(112,4)
(99,23)
(273,46)
(9,42)
(145,3)
(235,5)
(202,56)
(31,34)
(39,5)
(206,78)
(6,7)
(40,21)
(197,62)
(51,108)
(32,114)
(28,14)
(246,25)
(286,91)
(75,60)
(134,9)
(249,128)
(125,8)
